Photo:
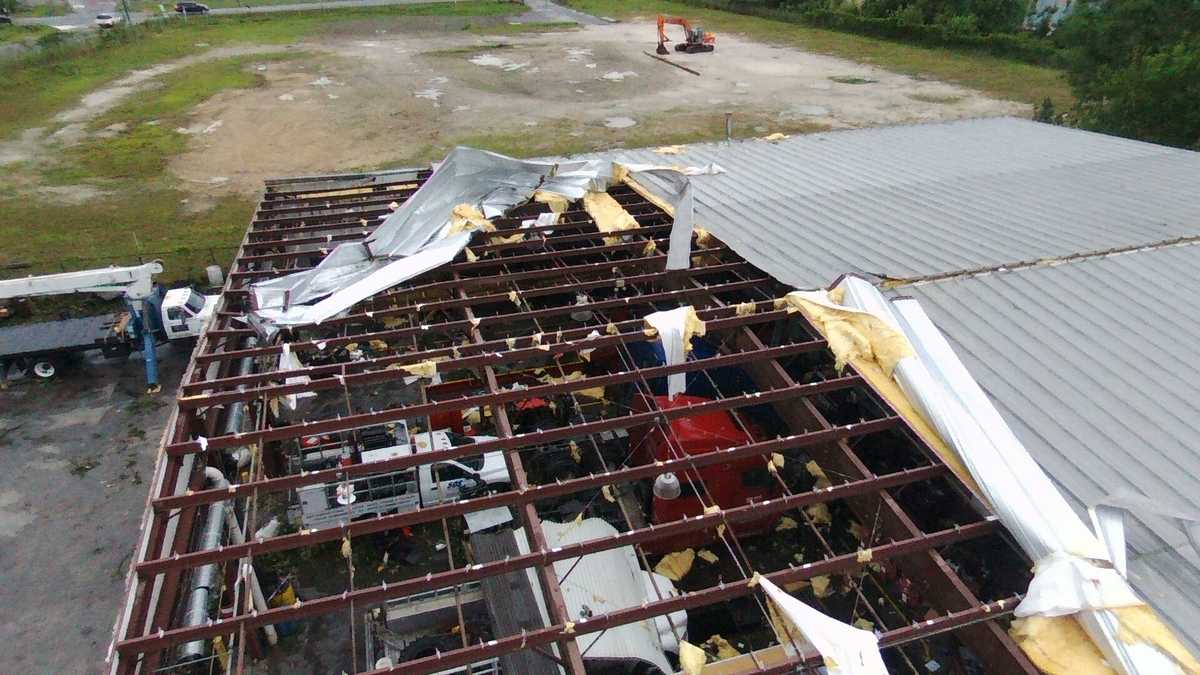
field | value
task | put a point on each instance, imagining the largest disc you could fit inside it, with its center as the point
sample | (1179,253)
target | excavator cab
(695,39)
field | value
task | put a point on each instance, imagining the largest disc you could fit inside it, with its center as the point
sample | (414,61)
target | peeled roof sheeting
(1093,365)
(920,200)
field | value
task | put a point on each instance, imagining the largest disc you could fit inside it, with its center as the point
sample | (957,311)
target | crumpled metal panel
(412,239)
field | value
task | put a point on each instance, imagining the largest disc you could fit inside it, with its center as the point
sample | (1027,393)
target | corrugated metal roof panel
(1092,362)
(929,199)
(1094,365)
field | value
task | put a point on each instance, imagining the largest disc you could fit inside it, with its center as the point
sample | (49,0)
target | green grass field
(999,77)
(141,212)
(32,93)
(56,8)
(13,33)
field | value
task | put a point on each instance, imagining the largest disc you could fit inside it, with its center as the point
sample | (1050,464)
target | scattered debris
(490,61)
(721,648)
(80,466)
(670,62)
(431,94)
(851,79)
(576,54)
(618,75)
(619,122)
(676,566)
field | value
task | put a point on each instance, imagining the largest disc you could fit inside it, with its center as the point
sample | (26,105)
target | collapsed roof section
(433,226)
(741,454)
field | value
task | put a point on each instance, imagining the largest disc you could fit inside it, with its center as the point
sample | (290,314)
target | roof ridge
(898,282)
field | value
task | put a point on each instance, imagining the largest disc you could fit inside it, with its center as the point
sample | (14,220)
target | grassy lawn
(169,5)
(13,33)
(999,77)
(58,8)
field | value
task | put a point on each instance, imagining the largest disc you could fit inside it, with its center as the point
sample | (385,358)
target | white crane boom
(135,283)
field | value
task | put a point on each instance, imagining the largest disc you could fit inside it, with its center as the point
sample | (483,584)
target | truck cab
(327,504)
(184,312)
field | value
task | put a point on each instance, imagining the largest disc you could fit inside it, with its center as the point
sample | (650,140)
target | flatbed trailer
(41,349)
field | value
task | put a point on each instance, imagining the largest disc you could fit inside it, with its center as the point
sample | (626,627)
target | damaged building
(509,416)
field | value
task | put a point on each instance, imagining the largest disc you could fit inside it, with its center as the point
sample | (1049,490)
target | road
(83,18)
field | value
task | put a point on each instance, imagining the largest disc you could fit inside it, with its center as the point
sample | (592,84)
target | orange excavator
(697,40)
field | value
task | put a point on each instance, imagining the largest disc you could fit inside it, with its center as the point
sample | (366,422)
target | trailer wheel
(43,369)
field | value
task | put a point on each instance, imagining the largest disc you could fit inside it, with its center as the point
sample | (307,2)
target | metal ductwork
(206,580)
(236,416)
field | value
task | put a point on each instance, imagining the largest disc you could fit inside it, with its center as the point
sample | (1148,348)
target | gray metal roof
(1093,363)
(920,200)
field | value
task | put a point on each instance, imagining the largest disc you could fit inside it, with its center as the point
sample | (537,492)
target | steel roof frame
(550,264)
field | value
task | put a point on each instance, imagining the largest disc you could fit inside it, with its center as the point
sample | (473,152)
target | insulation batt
(1072,573)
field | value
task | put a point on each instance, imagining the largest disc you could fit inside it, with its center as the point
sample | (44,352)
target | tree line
(1133,65)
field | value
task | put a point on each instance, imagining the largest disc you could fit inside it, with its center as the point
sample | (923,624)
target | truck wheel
(43,369)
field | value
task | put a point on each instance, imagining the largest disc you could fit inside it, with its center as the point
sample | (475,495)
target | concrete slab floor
(76,454)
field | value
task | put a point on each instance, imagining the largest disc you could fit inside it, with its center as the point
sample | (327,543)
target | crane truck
(40,349)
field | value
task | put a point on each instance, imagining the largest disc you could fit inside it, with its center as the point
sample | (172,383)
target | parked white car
(108,20)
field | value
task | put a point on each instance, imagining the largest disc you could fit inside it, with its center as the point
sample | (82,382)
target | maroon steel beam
(488,263)
(467,506)
(531,241)
(545,557)
(351,422)
(351,201)
(494,298)
(533,492)
(275,192)
(708,596)
(904,635)
(942,582)
(653,262)
(552,594)
(485,359)
(493,320)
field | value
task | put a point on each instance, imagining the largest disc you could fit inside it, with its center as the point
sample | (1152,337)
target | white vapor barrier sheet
(672,326)
(413,238)
(1072,571)
(289,361)
(847,650)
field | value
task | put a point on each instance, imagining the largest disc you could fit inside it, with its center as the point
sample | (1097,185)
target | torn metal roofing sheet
(1093,365)
(929,199)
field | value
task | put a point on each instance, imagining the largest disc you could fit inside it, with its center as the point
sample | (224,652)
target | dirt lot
(374,97)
